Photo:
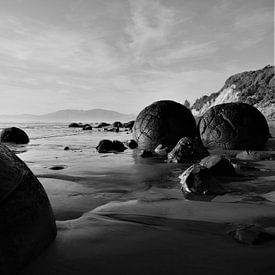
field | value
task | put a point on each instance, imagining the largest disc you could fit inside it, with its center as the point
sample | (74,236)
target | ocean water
(88,179)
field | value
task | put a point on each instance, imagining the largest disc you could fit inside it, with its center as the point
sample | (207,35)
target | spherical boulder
(233,126)
(27,223)
(163,122)
(14,135)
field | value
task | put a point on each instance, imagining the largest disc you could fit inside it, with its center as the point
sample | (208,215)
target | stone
(14,135)
(129,124)
(132,144)
(198,179)
(75,125)
(146,154)
(233,126)
(87,127)
(161,151)
(187,150)
(163,122)
(27,224)
(105,146)
(102,125)
(253,155)
(118,146)
(117,124)
(250,234)
(218,165)
(66,148)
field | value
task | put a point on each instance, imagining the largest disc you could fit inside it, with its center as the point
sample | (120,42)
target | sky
(123,55)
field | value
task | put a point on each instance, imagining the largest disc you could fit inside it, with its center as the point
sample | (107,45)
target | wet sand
(119,214)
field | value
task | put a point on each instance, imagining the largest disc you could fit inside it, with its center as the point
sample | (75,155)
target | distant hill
(256,88)
(93,115)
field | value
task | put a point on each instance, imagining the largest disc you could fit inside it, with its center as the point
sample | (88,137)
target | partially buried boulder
(106,146)
(117,124)
(87,127)
(75,125)
(163,122)
(233,126)
(198,179)
(27,222)
(218,165)
(132,144)
(187,150)
(14,135)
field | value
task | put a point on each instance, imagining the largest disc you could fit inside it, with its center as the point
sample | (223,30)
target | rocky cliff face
(256,88)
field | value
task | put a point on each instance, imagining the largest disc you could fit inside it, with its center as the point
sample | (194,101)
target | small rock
(199,180)
(129,124)
(250,234)
(218,165)
(75,125)
(132,144)
(161,151)
(145,154)
(118,146)
(117,124)
(66,148)
(87,127)
(253,155)
(57,167)
(187,150)
(105,146)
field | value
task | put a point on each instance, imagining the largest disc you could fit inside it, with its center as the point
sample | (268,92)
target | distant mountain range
(93,115)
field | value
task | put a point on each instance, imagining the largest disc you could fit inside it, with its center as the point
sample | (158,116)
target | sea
(86,179)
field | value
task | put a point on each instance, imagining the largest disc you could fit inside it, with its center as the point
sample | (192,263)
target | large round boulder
(27,223)
(233,126)
(14,135)
(163,122)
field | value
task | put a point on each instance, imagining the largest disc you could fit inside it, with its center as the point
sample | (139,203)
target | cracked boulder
(163,122)
(233,126)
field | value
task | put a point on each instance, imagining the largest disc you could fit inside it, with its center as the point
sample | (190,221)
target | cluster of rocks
(80,125)
(109,146)
(168,129)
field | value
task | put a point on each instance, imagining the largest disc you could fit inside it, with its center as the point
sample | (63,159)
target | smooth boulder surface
(218,165)
(75,125)
(233,126)
(87,127)
(163,122)
(106,146)
(27,222)
(187,150)
(198,179)
(14,135)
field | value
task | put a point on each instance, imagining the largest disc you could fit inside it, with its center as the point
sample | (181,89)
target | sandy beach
(121,214)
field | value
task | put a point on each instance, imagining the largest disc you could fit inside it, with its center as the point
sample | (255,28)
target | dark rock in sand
(163,122)
(106,146)
(129,124)
(146,154)
(218,165)
(118,146)
(199,180)
(253,155)
(75,125)
(66,148)
(87,127)
(250,234)
(27,224)
(102,125)
(132,144)
(117,124)
(187,150)
(57,167)
(233,126)
(14,135)
(161,151)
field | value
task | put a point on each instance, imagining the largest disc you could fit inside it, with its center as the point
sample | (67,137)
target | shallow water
(89,179)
